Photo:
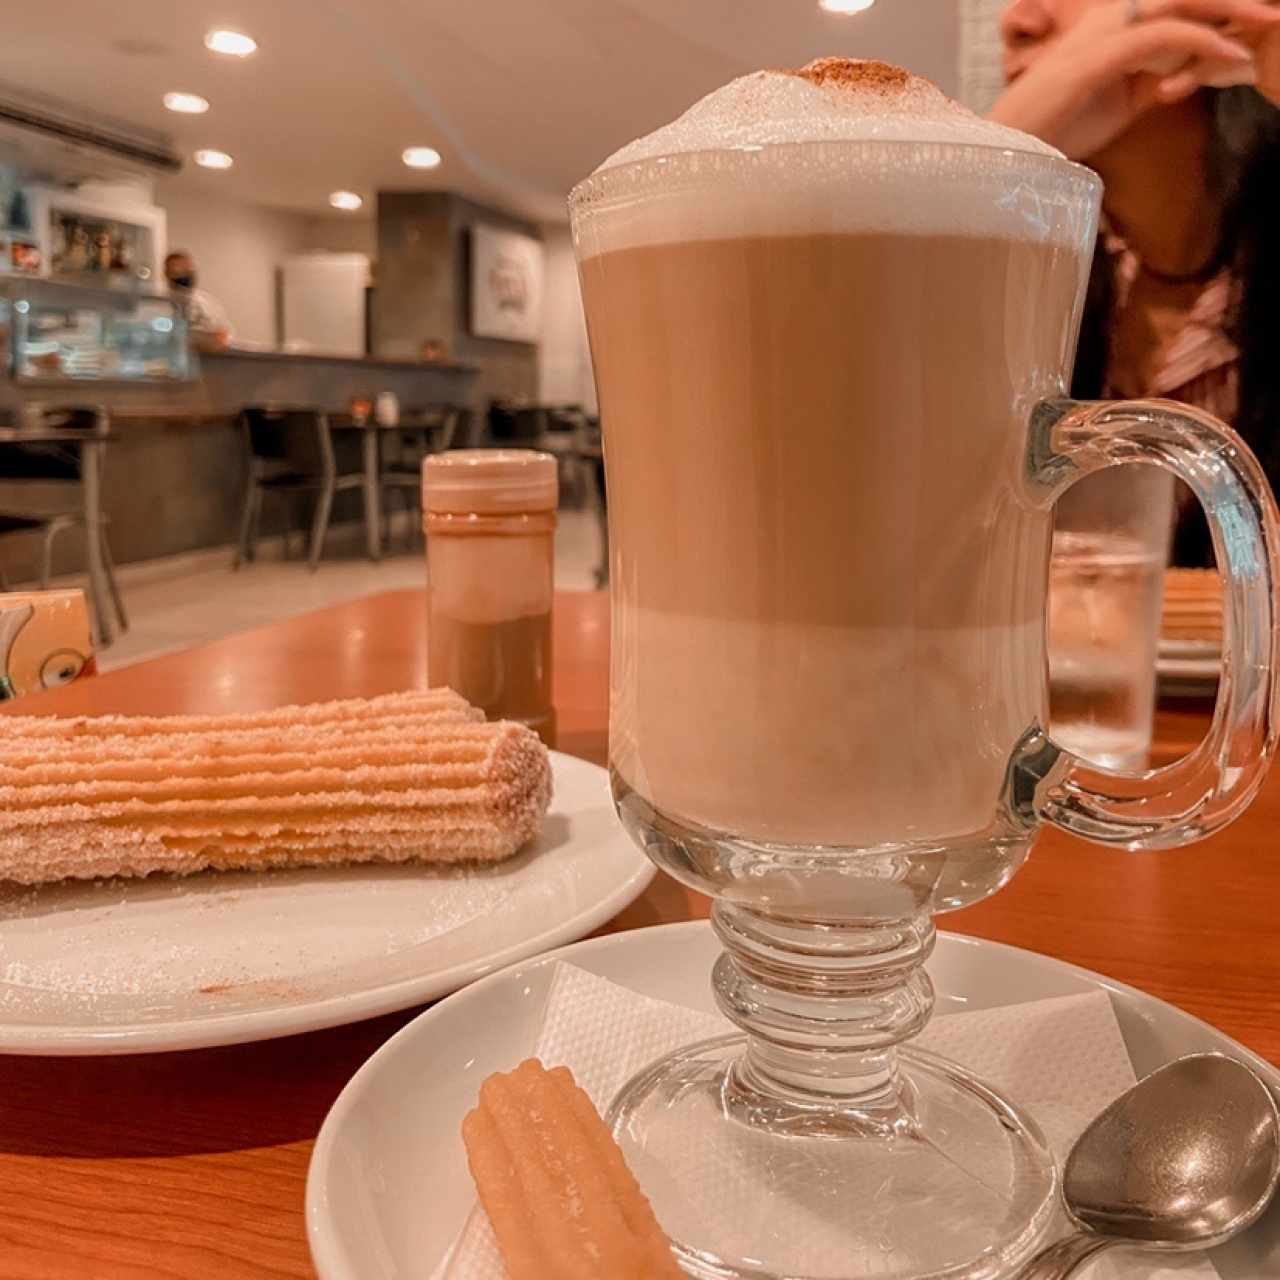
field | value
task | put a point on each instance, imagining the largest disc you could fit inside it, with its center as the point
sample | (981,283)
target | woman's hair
(1244,162)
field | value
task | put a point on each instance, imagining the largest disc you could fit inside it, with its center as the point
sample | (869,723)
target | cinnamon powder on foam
(852,73)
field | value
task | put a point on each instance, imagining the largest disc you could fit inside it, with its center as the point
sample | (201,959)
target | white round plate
(388,1188)
(133,966)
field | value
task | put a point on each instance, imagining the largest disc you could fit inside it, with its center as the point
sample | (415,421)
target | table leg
(91,480)
(372,495)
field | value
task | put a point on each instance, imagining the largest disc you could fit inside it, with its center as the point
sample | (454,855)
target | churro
(1193,606)
(416,776)
(558,1193)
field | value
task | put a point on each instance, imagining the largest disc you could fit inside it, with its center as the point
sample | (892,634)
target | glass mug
(832,383)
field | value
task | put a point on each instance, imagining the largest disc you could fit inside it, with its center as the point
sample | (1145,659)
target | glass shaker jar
(490,520)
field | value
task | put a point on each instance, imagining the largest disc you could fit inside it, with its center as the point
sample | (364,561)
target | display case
(58,332)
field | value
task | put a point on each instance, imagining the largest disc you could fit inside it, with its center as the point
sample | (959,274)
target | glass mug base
(813,1147)
(944,1179)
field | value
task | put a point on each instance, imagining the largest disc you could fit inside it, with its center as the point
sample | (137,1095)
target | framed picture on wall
(506,285)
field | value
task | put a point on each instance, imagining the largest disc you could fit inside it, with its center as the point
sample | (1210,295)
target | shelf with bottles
(93,248)
(19,240)
(19,255)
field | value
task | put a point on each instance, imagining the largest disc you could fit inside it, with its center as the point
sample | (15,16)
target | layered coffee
(815,364)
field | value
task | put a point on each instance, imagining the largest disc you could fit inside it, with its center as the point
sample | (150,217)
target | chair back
(564,418)
(588,441)
(529,426)
(466,429)
(516,426)
(294,439)
(449,427)
(92,419)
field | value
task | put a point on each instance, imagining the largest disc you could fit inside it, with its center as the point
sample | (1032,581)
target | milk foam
(725,169)
(833,99)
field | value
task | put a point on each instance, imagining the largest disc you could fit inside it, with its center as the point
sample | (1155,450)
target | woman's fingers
(1089,86)
(1177,87)
(1183,84)
(1220,77)
(1245,13)
(1164,46)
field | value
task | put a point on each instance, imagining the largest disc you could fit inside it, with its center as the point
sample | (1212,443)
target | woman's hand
(1087,86)
(1267,56)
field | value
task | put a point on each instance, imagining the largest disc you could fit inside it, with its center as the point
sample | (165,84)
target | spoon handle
(1062,1257)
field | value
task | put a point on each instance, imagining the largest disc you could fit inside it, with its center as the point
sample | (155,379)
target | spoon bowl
(1186,1159)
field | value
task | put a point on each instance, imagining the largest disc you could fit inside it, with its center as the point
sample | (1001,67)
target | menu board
(506,285)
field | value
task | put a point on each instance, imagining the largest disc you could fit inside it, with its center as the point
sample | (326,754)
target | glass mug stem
(823,1009)
(1209,787)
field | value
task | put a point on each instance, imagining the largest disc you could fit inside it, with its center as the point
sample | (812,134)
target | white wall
(981,70)
(237,248)
(564,360)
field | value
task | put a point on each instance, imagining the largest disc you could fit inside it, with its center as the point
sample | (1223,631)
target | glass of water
(1106,581)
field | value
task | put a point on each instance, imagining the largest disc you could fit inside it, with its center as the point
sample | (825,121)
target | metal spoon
(1186,1159)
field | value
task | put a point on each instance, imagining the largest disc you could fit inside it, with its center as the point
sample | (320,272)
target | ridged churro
(557,1191)
(415,776)
(1193,606)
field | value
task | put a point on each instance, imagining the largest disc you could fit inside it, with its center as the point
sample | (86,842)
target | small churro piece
(403,777)
(558,1193)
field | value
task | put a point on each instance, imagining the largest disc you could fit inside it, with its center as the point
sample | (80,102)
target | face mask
(183,282)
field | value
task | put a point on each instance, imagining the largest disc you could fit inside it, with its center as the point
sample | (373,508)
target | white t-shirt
(205,314)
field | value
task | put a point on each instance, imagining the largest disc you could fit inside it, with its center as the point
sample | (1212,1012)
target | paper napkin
(1063,1061)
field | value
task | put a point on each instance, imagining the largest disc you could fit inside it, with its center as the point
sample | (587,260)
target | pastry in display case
(69,332)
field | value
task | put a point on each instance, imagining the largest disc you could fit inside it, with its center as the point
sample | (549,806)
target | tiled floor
(187,600)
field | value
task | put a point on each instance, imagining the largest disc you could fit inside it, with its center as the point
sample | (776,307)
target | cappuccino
(815,365)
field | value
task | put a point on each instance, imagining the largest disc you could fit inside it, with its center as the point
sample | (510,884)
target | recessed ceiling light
(234,43)
(191,104)
(345,200)
(214,159)
(420,157)
(845,6)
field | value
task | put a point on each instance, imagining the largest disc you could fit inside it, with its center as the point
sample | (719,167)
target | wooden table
(193,1164)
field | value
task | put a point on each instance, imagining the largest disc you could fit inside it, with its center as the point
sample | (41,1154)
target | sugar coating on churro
(555,1185)
(415,776)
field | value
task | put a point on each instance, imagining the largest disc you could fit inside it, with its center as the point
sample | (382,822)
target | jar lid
(489,481)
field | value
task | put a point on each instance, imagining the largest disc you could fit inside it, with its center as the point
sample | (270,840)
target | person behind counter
(205,314)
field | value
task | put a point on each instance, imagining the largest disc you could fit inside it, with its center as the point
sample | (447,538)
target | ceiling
(521,99)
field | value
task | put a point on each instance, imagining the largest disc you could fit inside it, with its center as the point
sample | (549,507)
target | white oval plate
(388,1188)
(133,966)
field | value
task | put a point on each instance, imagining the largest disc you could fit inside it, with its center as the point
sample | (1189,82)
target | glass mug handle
(1212,785)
